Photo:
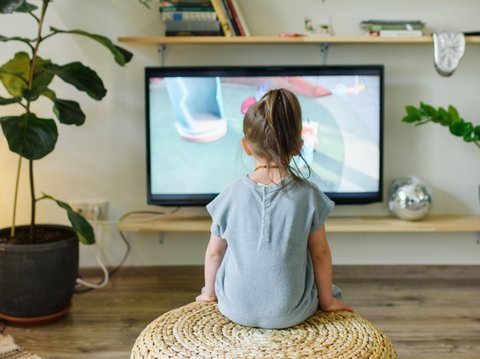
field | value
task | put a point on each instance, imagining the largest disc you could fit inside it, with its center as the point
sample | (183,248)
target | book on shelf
(396,33)
(185,5)
(193,33)
(231,19)
(189,15)
(222,18)
(378,25)
(190,18)
(192,25)
(238,17)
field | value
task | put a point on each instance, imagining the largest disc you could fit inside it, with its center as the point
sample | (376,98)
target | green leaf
(411,110)
(454,114)
(68,112)
(456,129)
(30,95)
(49,94)
(9,6)
(15,38)
(444,116)
(80,76)
(84,230)
(8,101)
(26,7)
(29,136)
(470,137)
(41,77)
(411,119)
(461,129)
(476,130)
(14,74)
(120,55)
(428,110)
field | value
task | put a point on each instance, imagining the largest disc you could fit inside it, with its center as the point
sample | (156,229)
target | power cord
(83,286)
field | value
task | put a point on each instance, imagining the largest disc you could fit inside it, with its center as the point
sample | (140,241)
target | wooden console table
(333,225)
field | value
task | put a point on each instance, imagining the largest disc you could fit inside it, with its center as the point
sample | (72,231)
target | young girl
(268,261)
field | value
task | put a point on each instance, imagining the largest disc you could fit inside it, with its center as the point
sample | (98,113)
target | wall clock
(448,50)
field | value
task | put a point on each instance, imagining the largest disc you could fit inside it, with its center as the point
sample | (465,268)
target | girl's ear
(246,146)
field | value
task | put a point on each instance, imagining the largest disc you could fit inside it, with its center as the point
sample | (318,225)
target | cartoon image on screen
(197,126)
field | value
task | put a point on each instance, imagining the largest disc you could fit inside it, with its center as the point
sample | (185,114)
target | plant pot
(37,280)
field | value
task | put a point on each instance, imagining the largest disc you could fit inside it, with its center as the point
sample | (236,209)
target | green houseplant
(27,77)
(449,117)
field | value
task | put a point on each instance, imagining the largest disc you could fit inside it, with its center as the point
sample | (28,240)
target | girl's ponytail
(273,128)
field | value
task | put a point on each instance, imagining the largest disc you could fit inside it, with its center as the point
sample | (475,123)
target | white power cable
(107,275)
(96,215)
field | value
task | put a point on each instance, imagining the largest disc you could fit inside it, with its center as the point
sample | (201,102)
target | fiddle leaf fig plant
(27,77)
(446,117)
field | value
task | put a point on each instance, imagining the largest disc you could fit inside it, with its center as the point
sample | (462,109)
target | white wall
(105,157)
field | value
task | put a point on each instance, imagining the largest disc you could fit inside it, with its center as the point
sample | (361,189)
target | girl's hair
(273,129)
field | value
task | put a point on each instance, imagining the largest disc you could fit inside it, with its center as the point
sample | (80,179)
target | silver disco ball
(409,198)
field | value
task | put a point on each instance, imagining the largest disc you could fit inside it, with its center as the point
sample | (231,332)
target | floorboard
(428,311)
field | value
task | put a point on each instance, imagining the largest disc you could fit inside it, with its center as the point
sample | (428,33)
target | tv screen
(194,119)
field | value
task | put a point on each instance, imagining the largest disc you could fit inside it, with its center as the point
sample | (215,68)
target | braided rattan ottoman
(199,330)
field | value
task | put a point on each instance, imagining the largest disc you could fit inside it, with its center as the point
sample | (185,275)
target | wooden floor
(428,312)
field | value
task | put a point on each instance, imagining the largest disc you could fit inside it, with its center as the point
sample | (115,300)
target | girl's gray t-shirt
(266,277)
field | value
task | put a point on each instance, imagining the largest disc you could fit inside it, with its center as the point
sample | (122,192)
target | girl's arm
(322,267)
(213,258)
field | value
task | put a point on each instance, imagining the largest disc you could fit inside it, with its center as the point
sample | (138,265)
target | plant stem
(30,85)
(19,166)
(37,44)
(32,196)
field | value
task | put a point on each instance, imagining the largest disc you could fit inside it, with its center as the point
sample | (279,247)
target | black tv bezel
(201,199)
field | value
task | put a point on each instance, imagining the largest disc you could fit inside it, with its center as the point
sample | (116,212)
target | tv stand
(373,224)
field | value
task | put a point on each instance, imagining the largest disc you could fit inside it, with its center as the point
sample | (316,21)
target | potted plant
(39,263)
(446,117)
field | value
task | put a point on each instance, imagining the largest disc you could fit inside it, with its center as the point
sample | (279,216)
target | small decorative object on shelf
(409,198)
(393,28)
(448,50)
(321,27)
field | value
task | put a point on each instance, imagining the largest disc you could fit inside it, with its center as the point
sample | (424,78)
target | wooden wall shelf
(222,40)
(333,225)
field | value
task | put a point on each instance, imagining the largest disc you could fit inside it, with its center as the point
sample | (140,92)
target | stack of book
(231,17)
(190,18)
(393,28)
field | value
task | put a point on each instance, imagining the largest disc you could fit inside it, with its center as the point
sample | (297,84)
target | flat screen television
(194,119)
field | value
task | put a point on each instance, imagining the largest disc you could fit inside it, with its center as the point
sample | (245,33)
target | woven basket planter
(199,330)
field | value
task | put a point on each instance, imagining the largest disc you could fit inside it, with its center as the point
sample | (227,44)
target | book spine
(189,15)
(185,8)
(186,25)
(193,33)
(379,27)
(222,18)
(231,19)
(235,17)
(239,12)
(185,4)
(400,33)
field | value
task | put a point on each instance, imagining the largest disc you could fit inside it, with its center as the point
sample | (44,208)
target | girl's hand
(205,298)
(336,305)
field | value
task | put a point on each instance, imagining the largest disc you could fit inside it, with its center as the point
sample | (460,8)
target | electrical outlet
(93,209)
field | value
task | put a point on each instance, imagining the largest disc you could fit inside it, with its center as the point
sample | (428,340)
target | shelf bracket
(161,238)
(324,52)
(162,50)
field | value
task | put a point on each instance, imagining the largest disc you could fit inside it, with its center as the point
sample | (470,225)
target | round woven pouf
(199,330)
